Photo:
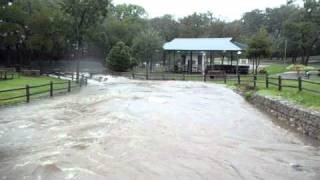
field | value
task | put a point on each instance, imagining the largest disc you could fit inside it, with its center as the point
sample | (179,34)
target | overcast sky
(227,9)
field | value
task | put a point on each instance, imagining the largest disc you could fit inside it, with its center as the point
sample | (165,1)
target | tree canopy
(60,29)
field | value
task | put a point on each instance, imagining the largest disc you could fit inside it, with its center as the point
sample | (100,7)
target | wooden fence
(50,88)
(252,80)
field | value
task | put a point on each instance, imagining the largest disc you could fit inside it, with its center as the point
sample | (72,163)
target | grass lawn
(276,69)
(22,81)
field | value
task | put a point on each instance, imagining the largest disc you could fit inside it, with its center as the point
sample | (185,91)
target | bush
(262,70)
(119,58)
(248,95)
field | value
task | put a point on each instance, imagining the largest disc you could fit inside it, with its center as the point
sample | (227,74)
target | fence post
(254,81)
(204,78)
(267,81)
(72,76)
(163,76)
(239,80)
(183,76)
(279,83)
(300,83)
(69,86)
(147,75)
(28,93)
(5,75)
(51,88)
(225,79)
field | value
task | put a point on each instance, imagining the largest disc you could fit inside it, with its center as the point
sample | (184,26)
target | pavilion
(196,55)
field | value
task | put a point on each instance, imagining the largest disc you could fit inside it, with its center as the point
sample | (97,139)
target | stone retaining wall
(304,120)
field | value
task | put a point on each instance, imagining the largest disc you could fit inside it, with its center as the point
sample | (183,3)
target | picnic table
(6,73)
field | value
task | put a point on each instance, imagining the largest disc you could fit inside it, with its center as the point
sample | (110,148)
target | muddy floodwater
(123,129)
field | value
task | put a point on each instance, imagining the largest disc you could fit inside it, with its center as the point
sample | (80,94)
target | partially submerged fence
(25,93)
(252,80)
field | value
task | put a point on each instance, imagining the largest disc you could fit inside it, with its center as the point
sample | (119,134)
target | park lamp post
(238,58)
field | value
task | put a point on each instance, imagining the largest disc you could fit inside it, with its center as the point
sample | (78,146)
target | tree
(84,14)
(129,11)
(259,47)
(302,29)
(146,45)
(119,58)
(167,26)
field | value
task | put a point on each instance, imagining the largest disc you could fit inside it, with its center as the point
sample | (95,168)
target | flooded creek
(125,129)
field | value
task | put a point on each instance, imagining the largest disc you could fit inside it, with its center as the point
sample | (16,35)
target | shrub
(119,58)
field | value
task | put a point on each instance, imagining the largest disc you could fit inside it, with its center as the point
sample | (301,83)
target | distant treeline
(63,29)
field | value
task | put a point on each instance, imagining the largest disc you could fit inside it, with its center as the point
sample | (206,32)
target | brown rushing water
(124,129)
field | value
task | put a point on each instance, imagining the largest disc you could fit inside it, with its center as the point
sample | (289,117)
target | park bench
(28,72)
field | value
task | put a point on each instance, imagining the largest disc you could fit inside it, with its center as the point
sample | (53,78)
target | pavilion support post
(222,61)
(169,62)
(231,57)
(210,58)
(190,63)
(174,60)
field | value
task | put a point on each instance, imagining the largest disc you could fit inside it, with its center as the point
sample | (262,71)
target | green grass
(276,69)
(22,81)
(303,98)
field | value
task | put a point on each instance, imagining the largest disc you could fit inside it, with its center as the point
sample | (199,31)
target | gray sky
(225,9)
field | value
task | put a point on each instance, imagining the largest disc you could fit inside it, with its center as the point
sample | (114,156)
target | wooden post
(225,78)
(254,81)
(279,83)
(51,88)
(204,78)
(72,76)
(28,93)
(300,84)
(239,80)
(183,76)
(69,86)
(5,75)
(267,81)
